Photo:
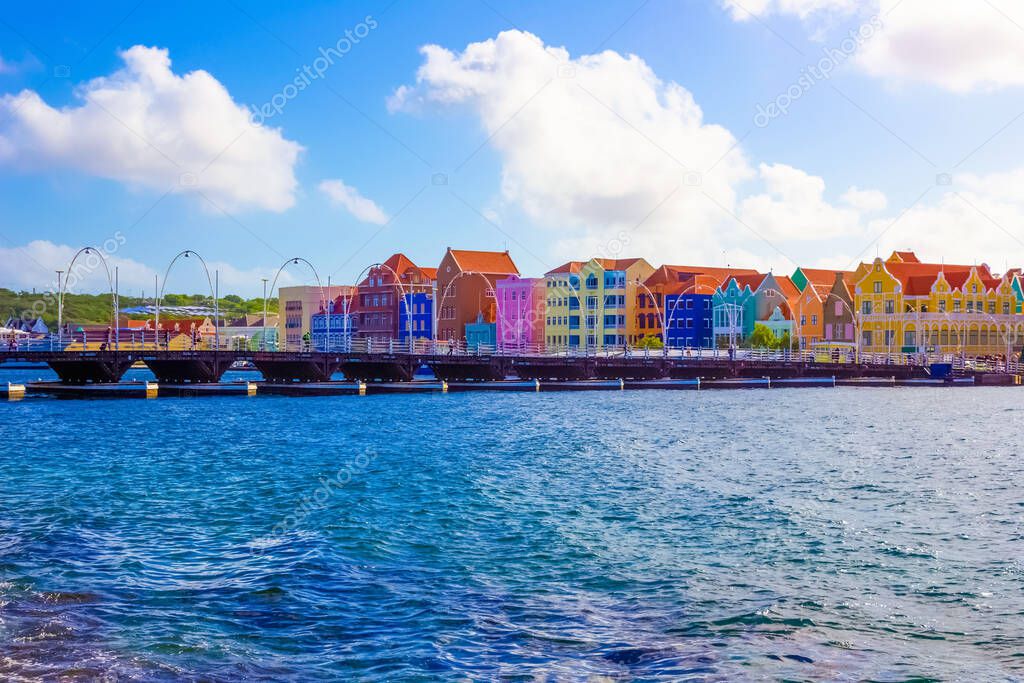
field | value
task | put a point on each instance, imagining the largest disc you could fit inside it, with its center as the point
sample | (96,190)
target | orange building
(467,289)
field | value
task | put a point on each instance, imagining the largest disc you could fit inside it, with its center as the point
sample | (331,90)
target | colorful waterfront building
(904,305)
(382,297)
(296,305)
(562,303)
(682,297)
(333,327)
(522,306)
(608,290)
(824,308)
(734,310)
(466,282)
(777,292)
(420,307)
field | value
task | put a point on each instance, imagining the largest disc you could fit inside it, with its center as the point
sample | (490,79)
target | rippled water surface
(805,534)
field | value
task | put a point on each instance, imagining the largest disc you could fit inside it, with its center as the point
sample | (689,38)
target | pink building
(520,311)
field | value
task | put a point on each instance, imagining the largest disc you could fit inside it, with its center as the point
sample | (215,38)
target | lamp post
(263,340)
(661,314)
(60,334)
(71,265)
(187,253)
(296,260)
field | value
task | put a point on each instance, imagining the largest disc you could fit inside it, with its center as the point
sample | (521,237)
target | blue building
(481,333)
(342,327)
(690,319)
(420,306)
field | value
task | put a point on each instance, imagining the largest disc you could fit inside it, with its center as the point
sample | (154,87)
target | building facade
(904,305)
(734,310)
(297,305)
(466,282)
(608,289)
(420,307)
(683,298)
(333,328)
(382,297)
(562,306)
(523,306)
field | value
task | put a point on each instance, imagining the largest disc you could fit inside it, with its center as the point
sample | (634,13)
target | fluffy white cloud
(865,201)
(794,207)
(960,45)
(146,126)
(978,220)
(742,10)
(597,147)
(33,266)
(348,197)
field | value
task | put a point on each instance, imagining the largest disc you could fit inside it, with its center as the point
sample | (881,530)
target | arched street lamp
(297,260)
(63,287)
(188,253)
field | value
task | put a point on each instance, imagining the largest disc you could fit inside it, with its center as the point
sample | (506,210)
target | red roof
(752,280)
(823,276)
(906,256)
(787,286)
(486,262)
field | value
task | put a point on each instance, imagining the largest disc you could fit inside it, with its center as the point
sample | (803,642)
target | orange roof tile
(823,276)
(486,262)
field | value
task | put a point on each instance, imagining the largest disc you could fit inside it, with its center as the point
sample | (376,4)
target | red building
(466,289)
(381,294)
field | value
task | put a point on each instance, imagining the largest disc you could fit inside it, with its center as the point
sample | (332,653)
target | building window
(878,287)
(865,308)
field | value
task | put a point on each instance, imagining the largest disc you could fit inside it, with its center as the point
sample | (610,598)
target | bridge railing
(147,340)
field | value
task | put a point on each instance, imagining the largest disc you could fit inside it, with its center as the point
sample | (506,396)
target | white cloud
(794,207)
(146,126)
(959,45)
(979,220)
(865,201)
(593,146)
(33,266)
(741,10)
(348,197)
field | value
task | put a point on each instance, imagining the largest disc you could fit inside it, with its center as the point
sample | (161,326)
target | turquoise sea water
(804,534)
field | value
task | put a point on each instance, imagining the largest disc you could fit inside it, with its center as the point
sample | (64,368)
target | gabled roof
(566,268)
(787,287)
(486,262)
(824,276)
(752,280)
(429,273)
(903,257)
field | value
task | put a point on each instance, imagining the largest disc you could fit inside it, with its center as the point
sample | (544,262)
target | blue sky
(594,162)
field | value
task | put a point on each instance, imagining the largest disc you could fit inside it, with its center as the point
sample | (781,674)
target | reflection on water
(804,534)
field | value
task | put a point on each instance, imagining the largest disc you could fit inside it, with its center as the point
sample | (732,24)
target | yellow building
(609,288)
(562,313)
(903,305)
(590,304)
